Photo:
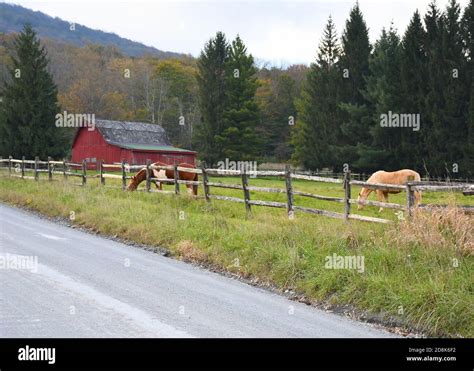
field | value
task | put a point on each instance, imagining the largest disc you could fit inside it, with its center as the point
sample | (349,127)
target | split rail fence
(18,168)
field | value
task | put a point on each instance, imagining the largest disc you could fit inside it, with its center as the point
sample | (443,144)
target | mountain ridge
(13,17)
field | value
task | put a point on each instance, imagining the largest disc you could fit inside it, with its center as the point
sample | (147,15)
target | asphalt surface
(75,284)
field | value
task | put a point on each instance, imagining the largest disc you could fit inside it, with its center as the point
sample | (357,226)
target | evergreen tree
(411,151)
(317,128)
(455,89)
(238,139)
(383,92)
(212,79)
(433,115)
(29,107)
(354,64)
(282,113)
(467,26)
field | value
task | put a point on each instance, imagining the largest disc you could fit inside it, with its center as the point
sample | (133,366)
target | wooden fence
(347,182)
(364,176)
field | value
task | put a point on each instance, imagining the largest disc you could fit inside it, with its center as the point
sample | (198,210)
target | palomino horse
(400,177)
(168,174)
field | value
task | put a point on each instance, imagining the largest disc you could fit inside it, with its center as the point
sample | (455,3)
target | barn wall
(91,146)
(170,158)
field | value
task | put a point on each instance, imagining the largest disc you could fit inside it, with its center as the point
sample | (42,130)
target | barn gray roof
(132,133)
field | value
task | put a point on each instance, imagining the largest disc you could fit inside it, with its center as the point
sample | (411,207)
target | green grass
(330,189)
(410,281)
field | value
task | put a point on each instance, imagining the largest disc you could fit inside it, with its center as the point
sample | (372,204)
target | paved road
(85,286)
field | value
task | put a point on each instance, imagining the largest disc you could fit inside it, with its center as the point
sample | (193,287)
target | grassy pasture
(330,189)
(418,275)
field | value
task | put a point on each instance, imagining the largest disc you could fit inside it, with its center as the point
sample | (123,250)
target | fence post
(22,166)
(36,168)
(64,169)
(10,165)
(347,194)
(148,173)
(84,172)
(289,192)
(101,172)
(176,178)
(410,196)
(50,172)
(205,185)
(124,176)
(245,183)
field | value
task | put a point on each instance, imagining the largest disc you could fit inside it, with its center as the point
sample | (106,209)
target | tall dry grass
(446,228)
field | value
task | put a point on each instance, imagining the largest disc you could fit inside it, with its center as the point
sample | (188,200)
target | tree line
(403,102)
(102,81)
(424,78)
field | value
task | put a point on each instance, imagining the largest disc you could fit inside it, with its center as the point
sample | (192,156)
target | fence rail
(66,167)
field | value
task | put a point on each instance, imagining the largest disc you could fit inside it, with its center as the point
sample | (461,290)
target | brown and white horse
(399,177)
(167,174)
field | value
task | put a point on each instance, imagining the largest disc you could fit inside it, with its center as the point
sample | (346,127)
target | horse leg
(195,187)
(189,189)
(381,197)
(385,199)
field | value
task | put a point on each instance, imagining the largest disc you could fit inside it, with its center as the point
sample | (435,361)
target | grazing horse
(165,174)
(400,177)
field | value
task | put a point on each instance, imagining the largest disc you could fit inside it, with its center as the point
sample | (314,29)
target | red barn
(132,142)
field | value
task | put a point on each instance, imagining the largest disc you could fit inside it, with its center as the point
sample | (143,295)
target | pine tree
(30,104)
(411,151)
(455,89)
(467,25)
(239,139)
(354,64)
(317,127)
(211,80)
(383,92)
(278,116)
(433,115)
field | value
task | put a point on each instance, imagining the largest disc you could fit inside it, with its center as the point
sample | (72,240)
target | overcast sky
(281,32)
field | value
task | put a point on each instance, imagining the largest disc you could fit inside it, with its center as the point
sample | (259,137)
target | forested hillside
(13,17)
(103,81)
